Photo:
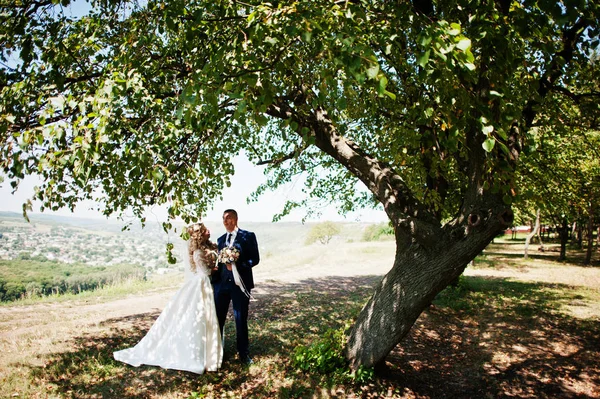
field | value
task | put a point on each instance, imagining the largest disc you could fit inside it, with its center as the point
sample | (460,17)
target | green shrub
(323,356)
(377,232)
(326,356)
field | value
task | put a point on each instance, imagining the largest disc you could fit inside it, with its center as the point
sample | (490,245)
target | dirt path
(27,333)
(539,271)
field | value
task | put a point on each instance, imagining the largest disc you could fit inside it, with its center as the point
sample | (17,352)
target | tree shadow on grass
(489,337)
(551,252)
(573,257)
(497,338)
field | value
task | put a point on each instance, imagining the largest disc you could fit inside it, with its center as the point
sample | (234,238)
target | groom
(230,286)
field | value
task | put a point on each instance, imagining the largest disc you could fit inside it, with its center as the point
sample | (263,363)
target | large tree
(427,103)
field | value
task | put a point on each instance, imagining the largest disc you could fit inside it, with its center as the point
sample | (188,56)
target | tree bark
(590,229)
(564,236)
(579,235)
(536,228)
(418,275)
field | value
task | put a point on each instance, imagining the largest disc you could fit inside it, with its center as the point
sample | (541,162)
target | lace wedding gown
(186,335)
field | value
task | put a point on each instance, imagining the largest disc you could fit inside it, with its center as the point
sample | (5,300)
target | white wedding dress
(186,335)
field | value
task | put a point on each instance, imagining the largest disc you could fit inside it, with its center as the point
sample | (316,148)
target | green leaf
(502,133)
(157,174)
(171,24)
(424,40)
(454,29)
(464,44)
(373,71)
(423,58)
(488,144)
(382,84)
(487,130)
(390,94)
(261,120)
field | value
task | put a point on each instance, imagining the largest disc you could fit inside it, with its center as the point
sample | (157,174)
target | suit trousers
(227,292)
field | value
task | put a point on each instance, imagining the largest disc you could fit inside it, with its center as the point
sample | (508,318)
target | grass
(90,371)
(493,336)
(106,293)
(474,295)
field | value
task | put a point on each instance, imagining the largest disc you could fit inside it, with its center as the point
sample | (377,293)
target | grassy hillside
(26,278)
(102,242)
(72,254)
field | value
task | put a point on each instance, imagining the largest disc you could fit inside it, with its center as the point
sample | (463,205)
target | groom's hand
(229,266)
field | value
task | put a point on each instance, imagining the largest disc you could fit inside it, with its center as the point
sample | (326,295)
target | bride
(186,335)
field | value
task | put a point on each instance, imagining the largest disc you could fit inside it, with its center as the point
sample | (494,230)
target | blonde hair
(198,242)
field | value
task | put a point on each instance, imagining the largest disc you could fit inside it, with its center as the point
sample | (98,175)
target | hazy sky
(246,179)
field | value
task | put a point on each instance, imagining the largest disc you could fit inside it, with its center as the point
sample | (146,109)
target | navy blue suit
(226,291)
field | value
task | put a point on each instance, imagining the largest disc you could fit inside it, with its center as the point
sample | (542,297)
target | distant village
(68,244)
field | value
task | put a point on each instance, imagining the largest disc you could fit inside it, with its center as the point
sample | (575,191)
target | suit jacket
(246,242)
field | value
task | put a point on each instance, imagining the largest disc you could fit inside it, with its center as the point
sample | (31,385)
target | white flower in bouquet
(229,255)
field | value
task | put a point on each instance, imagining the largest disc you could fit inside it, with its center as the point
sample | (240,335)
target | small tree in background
(322,232)
(376,232)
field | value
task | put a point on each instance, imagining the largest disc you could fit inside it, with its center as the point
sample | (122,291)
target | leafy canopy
(147,102)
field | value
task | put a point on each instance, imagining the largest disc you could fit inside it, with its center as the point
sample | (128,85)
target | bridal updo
(198,242)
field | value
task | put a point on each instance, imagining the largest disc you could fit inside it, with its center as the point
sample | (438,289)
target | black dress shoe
(246,360)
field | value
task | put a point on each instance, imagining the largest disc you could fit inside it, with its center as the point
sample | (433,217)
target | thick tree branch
(35,5)
(556,68)
(397,199)
(575,97)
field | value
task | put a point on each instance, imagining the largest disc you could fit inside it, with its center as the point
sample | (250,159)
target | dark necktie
(228,239)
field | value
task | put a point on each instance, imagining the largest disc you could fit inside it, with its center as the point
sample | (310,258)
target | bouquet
(229,255)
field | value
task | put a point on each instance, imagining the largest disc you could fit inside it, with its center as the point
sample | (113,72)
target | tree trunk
(418,275)
(590,229)
(428,255)
(536,227)
(564,236)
